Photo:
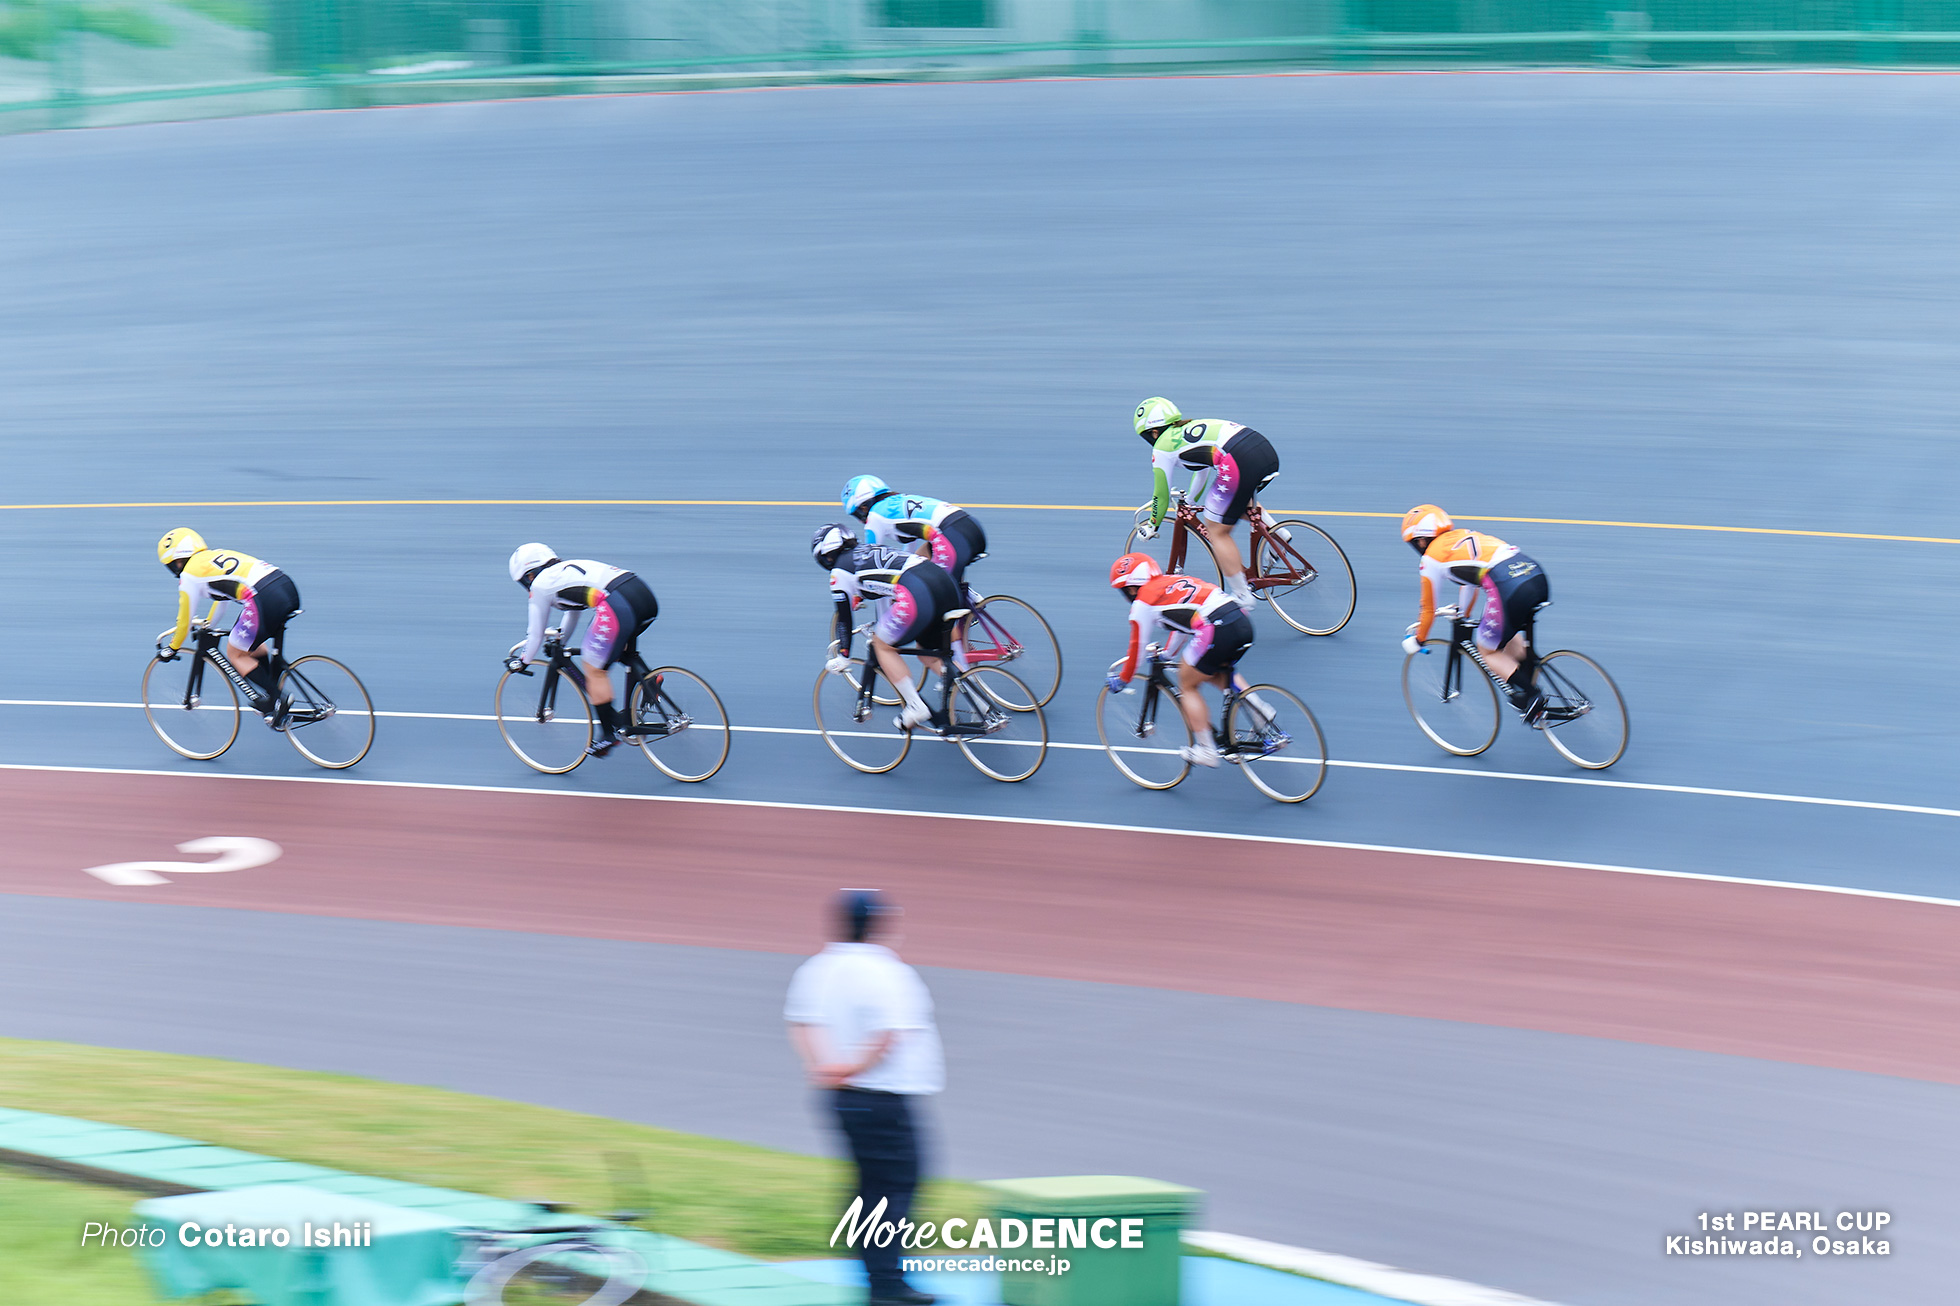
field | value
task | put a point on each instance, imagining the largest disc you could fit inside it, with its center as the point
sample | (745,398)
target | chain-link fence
(66,62)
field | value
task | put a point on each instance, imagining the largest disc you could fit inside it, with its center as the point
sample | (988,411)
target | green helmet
(1153,415)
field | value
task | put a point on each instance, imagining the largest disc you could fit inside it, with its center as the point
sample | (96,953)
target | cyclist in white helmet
(621,605)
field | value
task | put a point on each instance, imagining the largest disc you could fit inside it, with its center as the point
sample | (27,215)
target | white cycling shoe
(1241,591)
(1200,754)
(912,717)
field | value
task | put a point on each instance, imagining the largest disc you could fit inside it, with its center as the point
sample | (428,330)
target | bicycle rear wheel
(1006,631)
(1199,560)
(1007,745)
(687,730)
(191,705)
(1595,734)
(862,735)
(545,718)
(1451,699)
(1321,602)
(1279,747)
(331,721)
(1143,731)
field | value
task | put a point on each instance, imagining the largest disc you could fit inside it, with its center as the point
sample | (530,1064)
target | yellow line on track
(1015,507)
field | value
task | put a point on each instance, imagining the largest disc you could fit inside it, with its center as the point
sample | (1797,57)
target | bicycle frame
(208,642)
(559,658)
(1462,643)
(1188,520)
(867,704)
(1157,684)
(1005,648)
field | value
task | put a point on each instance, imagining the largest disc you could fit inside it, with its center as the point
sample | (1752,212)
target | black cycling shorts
(263,616)
(617,623)
(915,613)
(1514,590)
(1227,643)
(1242,467)
(957,541)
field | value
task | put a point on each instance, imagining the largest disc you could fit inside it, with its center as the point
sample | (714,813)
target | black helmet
(831,542)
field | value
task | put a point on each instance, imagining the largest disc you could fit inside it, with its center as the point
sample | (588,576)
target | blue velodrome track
(1707,301)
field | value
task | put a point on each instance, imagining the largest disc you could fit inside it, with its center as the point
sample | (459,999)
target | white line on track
(1752,795)
(1843,890)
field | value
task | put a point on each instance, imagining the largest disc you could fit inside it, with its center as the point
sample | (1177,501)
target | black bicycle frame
(208,643)
(946,678)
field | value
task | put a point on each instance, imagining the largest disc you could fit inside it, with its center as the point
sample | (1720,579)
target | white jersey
(572,586)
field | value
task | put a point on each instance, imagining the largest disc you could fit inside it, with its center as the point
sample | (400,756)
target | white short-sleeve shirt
(857,991)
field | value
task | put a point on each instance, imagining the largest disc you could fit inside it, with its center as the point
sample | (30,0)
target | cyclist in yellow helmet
(266,597)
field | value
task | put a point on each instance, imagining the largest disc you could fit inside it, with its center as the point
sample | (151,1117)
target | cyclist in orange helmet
(1513,586)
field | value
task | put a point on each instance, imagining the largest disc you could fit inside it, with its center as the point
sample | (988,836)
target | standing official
(861,1019)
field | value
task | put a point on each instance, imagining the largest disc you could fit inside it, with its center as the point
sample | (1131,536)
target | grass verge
(44,1256)
(746,1199)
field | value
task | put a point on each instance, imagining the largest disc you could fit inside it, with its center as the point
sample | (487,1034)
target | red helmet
(1133,569)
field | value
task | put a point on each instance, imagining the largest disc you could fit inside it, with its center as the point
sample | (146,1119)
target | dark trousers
(884,1142)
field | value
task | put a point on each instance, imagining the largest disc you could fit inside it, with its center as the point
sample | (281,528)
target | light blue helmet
(860,492)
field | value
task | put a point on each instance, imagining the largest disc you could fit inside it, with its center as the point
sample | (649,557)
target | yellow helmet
(178,545)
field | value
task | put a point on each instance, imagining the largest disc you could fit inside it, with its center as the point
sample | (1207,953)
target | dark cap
(859,912)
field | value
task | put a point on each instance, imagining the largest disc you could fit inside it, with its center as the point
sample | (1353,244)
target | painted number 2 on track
(234,853)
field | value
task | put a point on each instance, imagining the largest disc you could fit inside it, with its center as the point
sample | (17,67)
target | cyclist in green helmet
(1239,461)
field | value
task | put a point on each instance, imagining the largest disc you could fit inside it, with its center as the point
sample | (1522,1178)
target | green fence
(72,62)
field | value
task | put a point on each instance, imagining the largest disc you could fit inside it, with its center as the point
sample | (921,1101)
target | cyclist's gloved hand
(838,665)
(1147,531)
(515,665)
(1411,645)
(1115,683)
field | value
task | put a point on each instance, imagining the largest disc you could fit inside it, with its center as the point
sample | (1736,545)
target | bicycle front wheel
(1451,699)
(1004,745)
(1144,732)
(1306,578)
(545,718)
(1277,743)
(685,728)
(331,720)
(1585,717)
(1198,559)
(885,695)
(864,735)
(191,705)
(1007,632)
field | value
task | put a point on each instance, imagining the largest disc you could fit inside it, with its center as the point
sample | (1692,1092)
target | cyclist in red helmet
(1206,630)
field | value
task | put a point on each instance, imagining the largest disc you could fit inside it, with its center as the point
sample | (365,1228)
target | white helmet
(530,558)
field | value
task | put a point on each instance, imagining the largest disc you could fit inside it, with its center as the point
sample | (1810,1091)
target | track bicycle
(989,712)
(672,715)
(1460,710)
(1295,567)
(1037,661)
(191,698)
(568,1258)
(1281,751)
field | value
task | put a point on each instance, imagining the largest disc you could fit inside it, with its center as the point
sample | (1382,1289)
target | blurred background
(64,62)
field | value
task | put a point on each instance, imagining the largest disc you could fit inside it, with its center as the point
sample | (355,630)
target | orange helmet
(1425,521)
(1133,569)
